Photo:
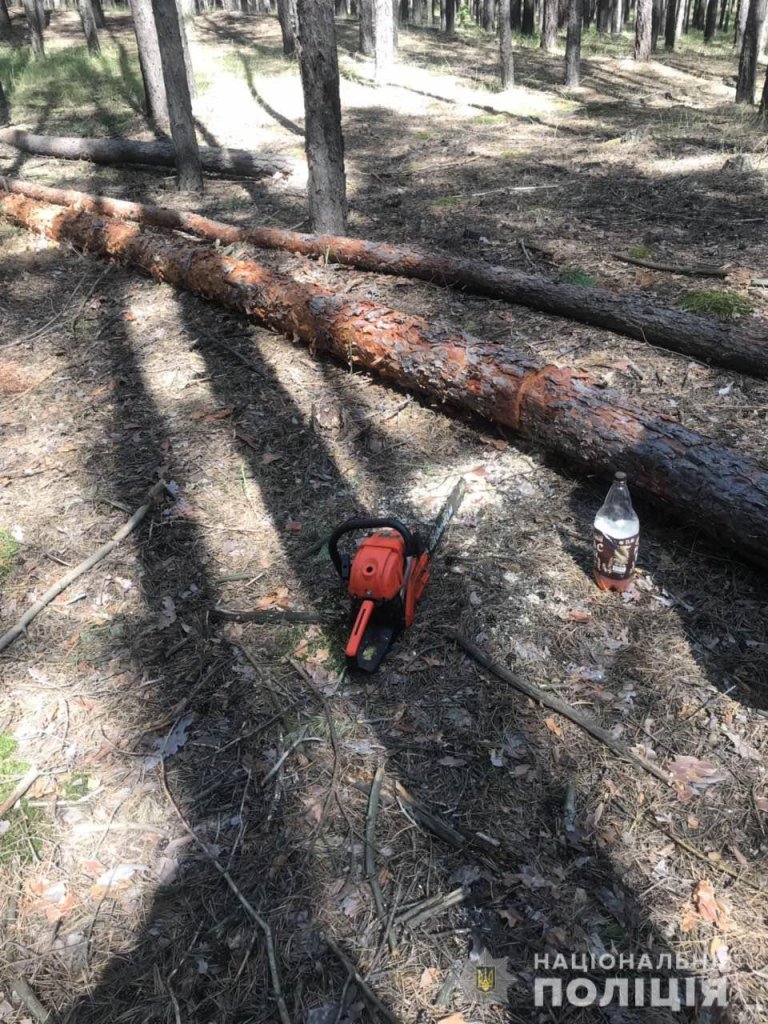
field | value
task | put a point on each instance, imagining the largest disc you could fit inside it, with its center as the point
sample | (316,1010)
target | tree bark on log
(562,409)
(239,162)
(736,346)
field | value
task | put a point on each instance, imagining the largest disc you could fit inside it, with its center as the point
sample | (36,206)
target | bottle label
(615,558)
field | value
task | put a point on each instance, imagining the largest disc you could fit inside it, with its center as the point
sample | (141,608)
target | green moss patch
(715,302)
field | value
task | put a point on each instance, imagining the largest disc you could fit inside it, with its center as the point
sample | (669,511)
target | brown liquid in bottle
(609,583)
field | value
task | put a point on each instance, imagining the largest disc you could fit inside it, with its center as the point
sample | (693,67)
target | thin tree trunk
(573,43)
(710,24)
(98,14)
(188,167)
(764,98)
(682,10)
(698,14)
(324,143)
(287,17)
(5,21)
(563,410)
(156,103)
(603,16)
(529,18)
(516,15)
(36,24)
(643,25)
(4,109)
(450,17)
(738,346)
(549,25)
(670,26)
(366,27)
(505,45)
(488,15)
(238,162)
(656,17)
(617,17)
(383,39)
(745,85)
(741,25)
(183,20)
(88,21)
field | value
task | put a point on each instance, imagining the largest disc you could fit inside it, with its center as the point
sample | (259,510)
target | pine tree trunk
(549,25)
(516,15)
(488,15)
(324,143)
(188,167)
(529,18)
(643,26)
(710,24)
(366,27)
(603,16)
(287,17)
(182,18)
(741,25)
(5,112)
(450,17)
(656,17)
(764,98)
(88,21)
(5,21)
(149,60)
(670,26)
(98,14)
(505,45)
(573,43)
(36,25)
(617,17)
(383,40)
(745,85)
(563,410)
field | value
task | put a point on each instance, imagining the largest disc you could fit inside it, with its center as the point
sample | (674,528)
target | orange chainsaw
(386,577)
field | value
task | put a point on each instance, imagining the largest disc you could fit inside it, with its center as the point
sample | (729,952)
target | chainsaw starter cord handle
(412,544)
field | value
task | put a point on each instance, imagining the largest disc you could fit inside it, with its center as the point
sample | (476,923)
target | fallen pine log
(240,162)
(741,346)
(720,491)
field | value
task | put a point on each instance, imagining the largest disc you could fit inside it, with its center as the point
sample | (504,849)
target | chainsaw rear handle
(412,544)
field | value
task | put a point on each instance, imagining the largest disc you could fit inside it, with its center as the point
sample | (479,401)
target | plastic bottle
(616,538)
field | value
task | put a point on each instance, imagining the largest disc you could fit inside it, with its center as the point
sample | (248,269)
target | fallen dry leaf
(742,748)
(553,726)
(455,1018)
(268,457)
(691,771)
(690,921)
(578,615)
(710,908)
(430,976)
(220,414)
(761,803)
(277,599)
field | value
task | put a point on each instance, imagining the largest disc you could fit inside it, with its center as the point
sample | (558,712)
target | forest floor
(268,746)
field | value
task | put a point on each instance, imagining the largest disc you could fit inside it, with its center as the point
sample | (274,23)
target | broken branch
(61,585)
(561,707)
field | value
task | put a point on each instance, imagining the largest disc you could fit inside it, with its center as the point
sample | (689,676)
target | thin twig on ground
(248,907)
(269,616)
(363,985)
(370,841)
(15,631)
(19,790)
(561,707)
(695,270)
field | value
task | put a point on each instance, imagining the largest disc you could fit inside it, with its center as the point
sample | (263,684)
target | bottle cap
(620,476)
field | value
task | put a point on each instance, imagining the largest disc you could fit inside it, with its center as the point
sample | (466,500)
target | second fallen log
(564,410)
(239,162)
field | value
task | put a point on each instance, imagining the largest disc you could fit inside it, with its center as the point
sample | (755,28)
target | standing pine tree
(188,167)
(505,45)
(745,84)
(88,21)
(156,104)
(366,27)
(643,29)
(5,21)
(33,9)
(323,141)
(4,109)
(710,21)
(670,25)
(529,18)
(573,43)
(286,15)
(549,15)
(764,98)
(383,39)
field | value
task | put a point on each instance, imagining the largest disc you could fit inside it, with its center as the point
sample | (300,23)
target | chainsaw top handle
(412,543)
